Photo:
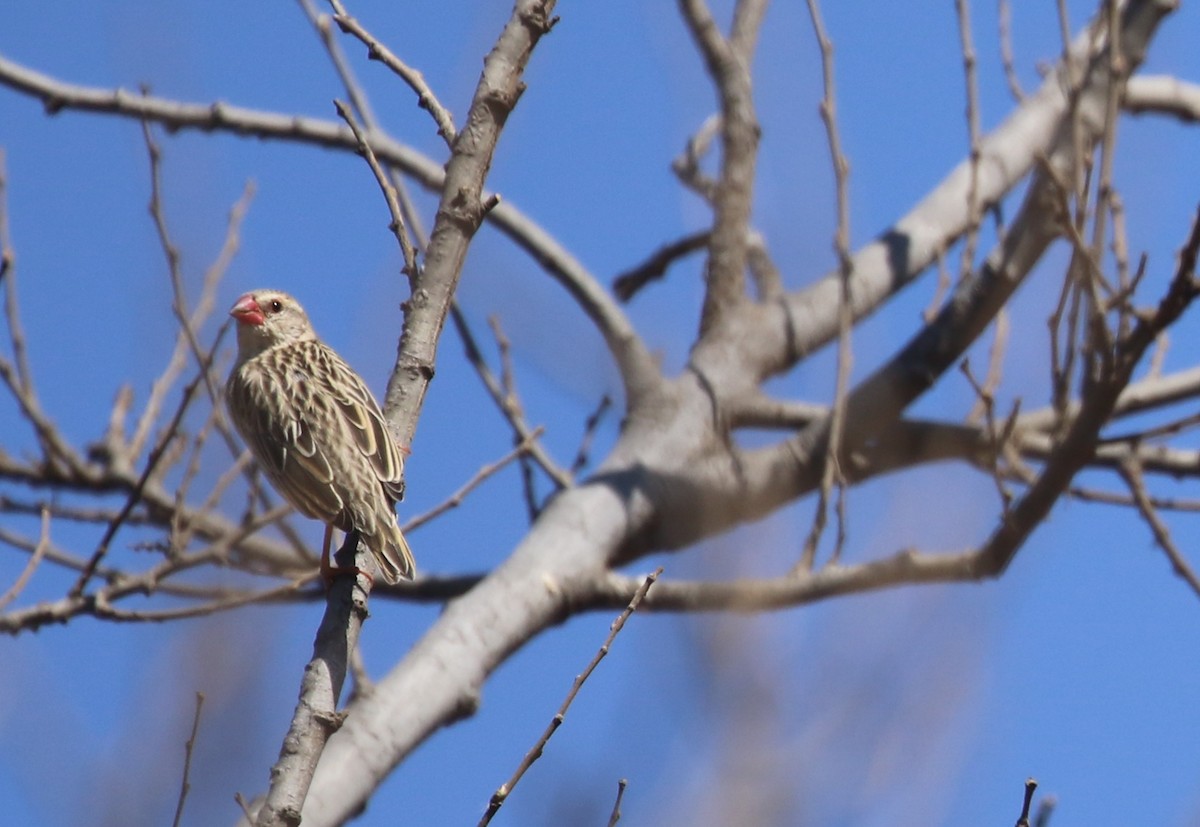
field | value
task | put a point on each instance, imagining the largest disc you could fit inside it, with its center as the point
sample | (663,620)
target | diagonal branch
(415,80)
(903,251)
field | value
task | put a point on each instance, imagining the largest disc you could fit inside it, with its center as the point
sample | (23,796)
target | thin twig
(189,321)
(627,284)
(505,789)
(590,426)
(974,133)
(615,815)
(997,437)
(1131,472)
(639,371)
(456,499)
(941,287)
(39,551)
(152,462)
(1030,786)
(245,806)
(186,786)
(521,429)
(831,472)
(687,165)
(324,28)
(415,80)
(1006,52)
(8,258)
(101,603)
(104,609)
(389,193)
(511,405)
(991,383)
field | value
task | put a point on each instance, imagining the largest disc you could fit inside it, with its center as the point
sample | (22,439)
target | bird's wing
(275,419)
(362,417)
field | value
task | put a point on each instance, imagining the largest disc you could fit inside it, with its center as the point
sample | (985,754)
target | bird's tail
(392,553)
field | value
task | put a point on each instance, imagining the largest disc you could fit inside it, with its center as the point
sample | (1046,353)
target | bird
(315,429)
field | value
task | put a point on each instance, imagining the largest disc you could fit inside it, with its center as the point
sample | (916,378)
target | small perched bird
(315,429)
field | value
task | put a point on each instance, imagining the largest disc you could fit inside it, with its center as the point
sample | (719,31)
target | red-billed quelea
(315,429)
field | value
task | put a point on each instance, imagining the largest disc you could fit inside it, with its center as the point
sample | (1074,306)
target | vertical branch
(186,786)
(17,375)
(970,240)
(1105,193)
(189,320)
(461,209)
(1004,14)
(728,63)
(16,333)
(831,472)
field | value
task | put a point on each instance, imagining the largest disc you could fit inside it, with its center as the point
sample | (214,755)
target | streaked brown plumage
(314,427)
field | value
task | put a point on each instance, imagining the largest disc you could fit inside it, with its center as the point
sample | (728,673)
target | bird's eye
(276,305)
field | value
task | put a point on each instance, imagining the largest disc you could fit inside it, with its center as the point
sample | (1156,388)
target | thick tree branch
(1163,95)
(807,319)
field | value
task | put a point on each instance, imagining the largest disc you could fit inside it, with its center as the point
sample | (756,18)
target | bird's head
(266,319)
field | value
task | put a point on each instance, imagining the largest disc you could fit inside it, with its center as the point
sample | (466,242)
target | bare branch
(589,431)
(627,284)
(389,193)
(501,795)
(831,471)
(903,251)
(456,499)
(102,602)
(638,369)
(1006,53)
(1131,472)
(415,80)
(729,67)
(1162,95)
(185,785)
(522,433)
(974,135)
(8,258)
(687,165)
(324,28)
(31,565)
(152,462)
(1030,786)
(615,815)
(461,210)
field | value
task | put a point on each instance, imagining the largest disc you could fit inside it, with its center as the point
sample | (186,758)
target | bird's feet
(330,571)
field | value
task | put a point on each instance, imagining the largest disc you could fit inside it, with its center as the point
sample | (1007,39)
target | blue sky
(920,706)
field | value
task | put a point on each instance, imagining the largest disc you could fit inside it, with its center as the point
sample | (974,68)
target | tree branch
(637,367)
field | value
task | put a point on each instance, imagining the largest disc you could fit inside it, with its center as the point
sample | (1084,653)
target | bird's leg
(331,570)
(326,568)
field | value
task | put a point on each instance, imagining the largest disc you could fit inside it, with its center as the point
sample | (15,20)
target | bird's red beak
(247,311)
